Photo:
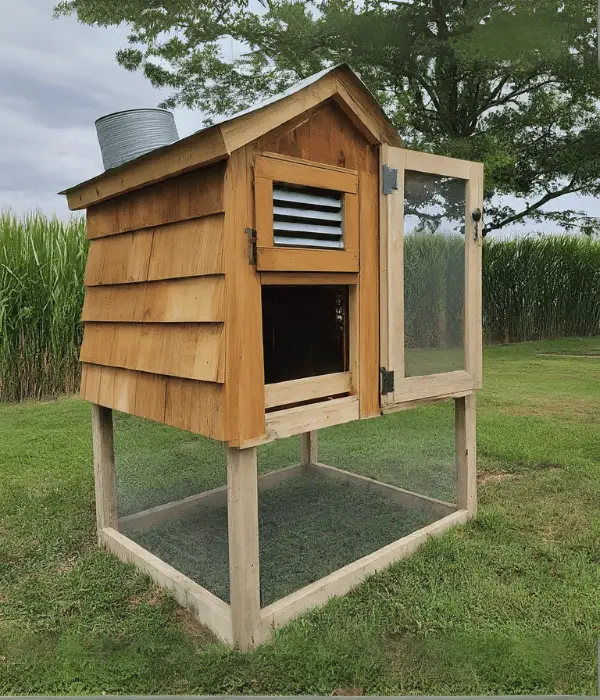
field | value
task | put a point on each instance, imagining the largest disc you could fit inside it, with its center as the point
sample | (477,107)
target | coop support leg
(242,518)
(308,448)
(104,467)
(466,454)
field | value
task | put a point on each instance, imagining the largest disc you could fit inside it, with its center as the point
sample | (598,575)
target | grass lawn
(507,604)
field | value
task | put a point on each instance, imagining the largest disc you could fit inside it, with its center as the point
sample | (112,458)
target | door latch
(476,215)
(252,238)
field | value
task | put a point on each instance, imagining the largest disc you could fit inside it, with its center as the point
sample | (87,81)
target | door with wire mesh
(431,275)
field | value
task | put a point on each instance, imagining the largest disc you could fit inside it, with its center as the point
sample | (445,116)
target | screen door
(430,275)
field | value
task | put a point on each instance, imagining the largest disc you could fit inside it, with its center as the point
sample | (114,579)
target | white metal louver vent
(307,217)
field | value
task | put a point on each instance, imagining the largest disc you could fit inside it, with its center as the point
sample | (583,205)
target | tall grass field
(534,288)
(42,262)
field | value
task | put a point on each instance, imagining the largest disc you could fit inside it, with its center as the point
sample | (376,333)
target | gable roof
(218,141)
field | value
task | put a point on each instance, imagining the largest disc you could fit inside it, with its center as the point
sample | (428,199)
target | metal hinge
(251,233)
(389,179)
(387,381)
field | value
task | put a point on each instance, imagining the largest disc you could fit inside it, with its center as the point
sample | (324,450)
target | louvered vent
(306,217)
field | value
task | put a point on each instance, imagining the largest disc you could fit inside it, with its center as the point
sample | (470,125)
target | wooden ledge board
(210,610)
(307,389)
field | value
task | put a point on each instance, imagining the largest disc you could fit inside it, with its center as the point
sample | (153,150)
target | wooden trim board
(303,419)
(391,266)
(432,386)
(345,579)
(305,173)
(295,279)
(214,497)
(407,405)
(306,260)
(208,609)
(415,501)
(307,388)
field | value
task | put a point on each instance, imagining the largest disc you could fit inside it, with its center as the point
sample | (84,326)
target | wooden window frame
(270,168)
(446,384)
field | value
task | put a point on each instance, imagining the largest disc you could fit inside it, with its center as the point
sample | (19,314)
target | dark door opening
(305,331)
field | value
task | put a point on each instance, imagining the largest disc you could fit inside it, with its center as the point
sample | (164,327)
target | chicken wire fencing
(313,519)
(331,513)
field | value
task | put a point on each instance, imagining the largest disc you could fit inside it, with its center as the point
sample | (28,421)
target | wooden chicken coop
(247,283)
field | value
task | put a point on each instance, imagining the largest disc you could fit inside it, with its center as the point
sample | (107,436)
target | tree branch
(548,197)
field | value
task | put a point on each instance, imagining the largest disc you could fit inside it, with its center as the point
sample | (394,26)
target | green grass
(507,604)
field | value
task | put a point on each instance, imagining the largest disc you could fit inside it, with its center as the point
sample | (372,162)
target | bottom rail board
(410,499)
(210,610)
(345,579)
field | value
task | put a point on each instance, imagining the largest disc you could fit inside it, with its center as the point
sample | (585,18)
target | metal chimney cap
(131,133)
(135,109)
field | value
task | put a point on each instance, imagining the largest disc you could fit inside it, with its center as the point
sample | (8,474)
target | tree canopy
(512,83)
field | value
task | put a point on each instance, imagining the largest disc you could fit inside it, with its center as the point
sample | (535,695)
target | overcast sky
(56,78)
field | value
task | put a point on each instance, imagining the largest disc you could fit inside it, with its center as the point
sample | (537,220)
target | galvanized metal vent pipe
(126,135)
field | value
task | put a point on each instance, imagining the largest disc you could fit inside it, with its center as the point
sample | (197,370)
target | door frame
(447,384)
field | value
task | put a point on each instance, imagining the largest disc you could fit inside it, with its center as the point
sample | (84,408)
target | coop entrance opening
(305,331)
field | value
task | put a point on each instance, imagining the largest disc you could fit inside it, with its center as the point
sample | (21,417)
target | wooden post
(308,448)
(466,454)
(242,517)
(104,467)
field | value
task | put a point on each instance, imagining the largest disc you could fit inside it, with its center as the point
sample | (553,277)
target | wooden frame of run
(243,623)
(448,384)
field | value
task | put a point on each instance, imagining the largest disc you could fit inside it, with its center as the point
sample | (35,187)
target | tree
(514,83)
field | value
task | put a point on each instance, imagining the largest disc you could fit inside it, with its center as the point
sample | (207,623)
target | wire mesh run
(360,487)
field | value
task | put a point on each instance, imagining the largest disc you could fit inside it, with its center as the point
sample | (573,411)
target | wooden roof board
(219,140)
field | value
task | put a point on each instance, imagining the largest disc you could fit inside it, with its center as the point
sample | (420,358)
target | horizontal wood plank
(308,278)
(186,350)
(137,393)
(408,405)
(181,403)
(309,163)
(296,173)
(441,166)
(431,386)
(194,194)
(208,609)
(307,388)
(306,260)
(303,419)
(185,249)
(196,406)
(191,299)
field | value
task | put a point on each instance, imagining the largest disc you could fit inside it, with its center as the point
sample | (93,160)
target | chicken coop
(271,276)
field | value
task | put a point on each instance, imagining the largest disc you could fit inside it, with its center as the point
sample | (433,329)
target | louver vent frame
(306,216)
